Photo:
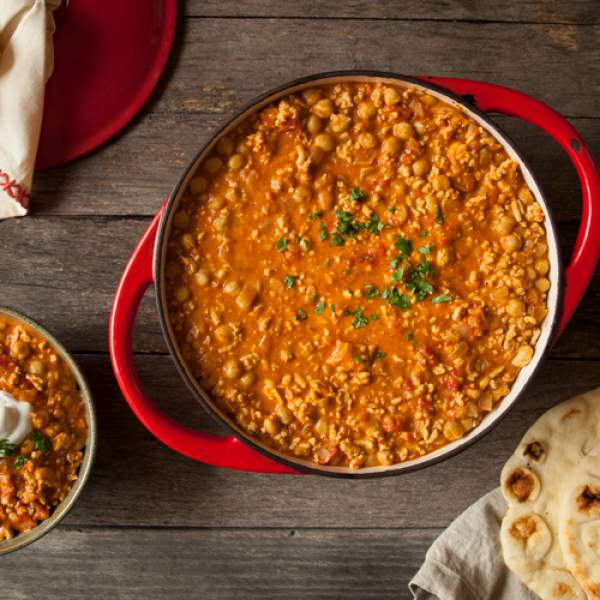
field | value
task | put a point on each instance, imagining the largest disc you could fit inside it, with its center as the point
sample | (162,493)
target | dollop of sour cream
(15,419)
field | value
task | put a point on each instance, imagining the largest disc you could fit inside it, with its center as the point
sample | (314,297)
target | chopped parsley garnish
(315,215)
(320,308)
(416,281)
(395,298)
(323,235)
(6,449)
(304,244)
(41,443)
(359,359)
(290,280)
(405,246)
(379,356)
(301,315)
(391,209)
(375,317)
(345,225)
(370,291)
(395,262)
(425,250)
(337,240)
(332,308)
(410,336)
(358,194)
(398,275)
(347,312)
(282,244)
(441,299)
(423,234)
(360,320)
(19,461)
(374,225)
(439,218)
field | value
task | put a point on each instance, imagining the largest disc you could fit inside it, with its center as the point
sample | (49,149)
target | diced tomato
(389,424)
(430,355)
(424,405)
(326,455)
(452,382)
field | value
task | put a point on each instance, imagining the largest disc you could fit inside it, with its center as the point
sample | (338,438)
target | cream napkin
(26,61)
(465,562)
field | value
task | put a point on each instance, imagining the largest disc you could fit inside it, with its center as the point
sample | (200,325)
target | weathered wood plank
(64,272)
(135,174)
(221,63)
(138,481)
(217,564)
(543,11)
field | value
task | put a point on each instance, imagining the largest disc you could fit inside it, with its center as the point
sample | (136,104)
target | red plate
(108,57)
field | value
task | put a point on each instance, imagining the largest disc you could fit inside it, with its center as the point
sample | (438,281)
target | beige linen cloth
(26,61)
(465,562)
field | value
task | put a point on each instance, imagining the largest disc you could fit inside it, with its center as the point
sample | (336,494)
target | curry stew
(36,476)
(357,273)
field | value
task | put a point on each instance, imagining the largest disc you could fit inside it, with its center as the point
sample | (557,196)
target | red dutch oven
(240,451)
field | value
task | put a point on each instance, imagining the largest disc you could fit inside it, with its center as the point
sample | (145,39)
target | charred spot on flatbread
(523,528)
(521,484)
(574,412)
(589,499)
(534,450)
(562,590)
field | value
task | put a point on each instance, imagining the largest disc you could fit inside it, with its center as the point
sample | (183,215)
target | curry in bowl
(357,273)
(43,428)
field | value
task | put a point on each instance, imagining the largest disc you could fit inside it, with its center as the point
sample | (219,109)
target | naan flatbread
(532,482)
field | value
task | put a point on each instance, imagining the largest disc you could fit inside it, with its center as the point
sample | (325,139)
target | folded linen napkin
(465,562)
(26,61)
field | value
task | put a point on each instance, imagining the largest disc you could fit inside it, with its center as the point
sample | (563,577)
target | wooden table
(152,524)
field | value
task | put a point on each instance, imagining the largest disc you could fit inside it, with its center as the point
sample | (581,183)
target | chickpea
(201,277)
(316,154)
(401,213)
(187,241)
(398,188)
(515,308)
(523,356)
(323,108)
(541,249)
(325,141)
(431,204)
(420,167)
(504,225)
(182,294)
(391,96)
(485,157)
(367,140)
(224,334)
(247,380)
(542,284)
(284,413)
(404,130)
(339,123)
(511,242)
(366,110)
(271,426)
(314,124)
(311,95)
(225,147)
(391,145)
(212,165)
(221,222)
(231,288)
(231,369)
(542,266)
(198,185)
(236,162)
(440,183)
(325,199)
(181,219)
(453,430)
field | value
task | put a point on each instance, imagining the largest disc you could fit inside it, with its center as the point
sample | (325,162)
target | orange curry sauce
(357,273)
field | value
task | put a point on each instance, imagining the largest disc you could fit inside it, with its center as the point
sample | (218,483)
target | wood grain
(544,11)
(219,564)
(137,481)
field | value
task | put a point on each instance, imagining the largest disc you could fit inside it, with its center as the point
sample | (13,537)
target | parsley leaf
(370,291)
(301,315)
(375,317)
(41,443)
(423,234)
(19,461)
(439,219)
(332,308)
(282,244)
(391,209)
(358,194)
(290,280)
(441,299)
(410,336)
(359,359)
(337,240)
(405,246)
(425,250)
(6,449)
(360,320)
(416,281)
(374,225)
(396,261)
(320,308)
(397,299)
(315,215)
(398,275)
(379,356)
(323,235)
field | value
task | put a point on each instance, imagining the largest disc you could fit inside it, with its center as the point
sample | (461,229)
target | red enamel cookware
(240,451)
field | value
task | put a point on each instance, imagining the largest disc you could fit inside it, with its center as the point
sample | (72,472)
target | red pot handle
(213,449)
(488,97)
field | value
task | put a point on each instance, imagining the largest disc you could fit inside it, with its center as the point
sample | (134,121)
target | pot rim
(498,413)
(24,539)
